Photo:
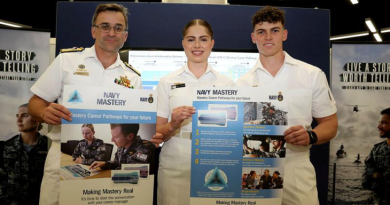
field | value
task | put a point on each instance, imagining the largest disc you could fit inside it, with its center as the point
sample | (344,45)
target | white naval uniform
(73,68)
(310,97)
(175,158)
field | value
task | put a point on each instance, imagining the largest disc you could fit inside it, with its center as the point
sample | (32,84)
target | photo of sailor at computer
(264,146)
(264,113)
(104,147)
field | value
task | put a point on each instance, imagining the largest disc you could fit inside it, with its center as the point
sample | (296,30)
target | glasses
(105,28)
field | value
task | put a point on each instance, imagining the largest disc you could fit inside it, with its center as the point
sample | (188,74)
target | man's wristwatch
(313,137)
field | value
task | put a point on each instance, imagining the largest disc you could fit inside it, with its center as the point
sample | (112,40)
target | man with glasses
(99,65)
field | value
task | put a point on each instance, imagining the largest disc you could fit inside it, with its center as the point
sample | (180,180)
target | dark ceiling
(345,17)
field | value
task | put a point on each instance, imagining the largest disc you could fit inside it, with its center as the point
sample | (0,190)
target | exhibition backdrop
(361,86)
(159,26)
(24,56)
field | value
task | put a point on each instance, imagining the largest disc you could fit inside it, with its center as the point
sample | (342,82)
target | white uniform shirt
(169,98)
(307,91)
(80,68)
(175,157)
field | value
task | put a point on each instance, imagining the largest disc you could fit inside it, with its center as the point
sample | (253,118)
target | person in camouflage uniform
(131,148)
(24,157)
(279,149)
(266,180)
(376,176)
(277,181)
(250,180)
(263,151)
(89,149)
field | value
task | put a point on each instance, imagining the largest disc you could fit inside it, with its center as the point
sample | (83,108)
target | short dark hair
(200,22)
(127,129)
(268,14)
(40,126)
(385,111)
(111,7)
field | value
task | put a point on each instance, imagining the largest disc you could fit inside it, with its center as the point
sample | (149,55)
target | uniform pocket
(299,106)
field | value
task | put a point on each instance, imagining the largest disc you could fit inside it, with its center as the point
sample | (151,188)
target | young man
(266,180)
(99,65)
(311,97)
(131,148)
(376,176)
(24,158)
(277,181)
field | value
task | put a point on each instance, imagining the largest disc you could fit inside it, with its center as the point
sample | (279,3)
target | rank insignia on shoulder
(132,68)
(123,81)
(178,85)
(74,49)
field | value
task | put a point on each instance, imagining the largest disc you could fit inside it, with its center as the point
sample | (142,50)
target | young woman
(174,112)
(89,149)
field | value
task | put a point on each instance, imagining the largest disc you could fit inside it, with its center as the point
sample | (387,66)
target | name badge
(178,85)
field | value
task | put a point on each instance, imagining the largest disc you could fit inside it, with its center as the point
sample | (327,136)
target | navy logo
(216,179)
(280,96)
(150,99)
(75,97)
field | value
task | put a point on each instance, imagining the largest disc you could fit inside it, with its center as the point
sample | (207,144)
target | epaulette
(132,68)
(74,49)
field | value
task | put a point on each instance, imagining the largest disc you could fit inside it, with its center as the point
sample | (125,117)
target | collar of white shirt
(187,70)
(287,60)
(91,53)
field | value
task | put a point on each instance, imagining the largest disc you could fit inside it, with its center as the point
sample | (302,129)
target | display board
(24,56)
(360,86)
(155,64)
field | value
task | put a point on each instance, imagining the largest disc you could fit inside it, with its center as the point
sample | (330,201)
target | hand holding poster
(110,158)
(238,147)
